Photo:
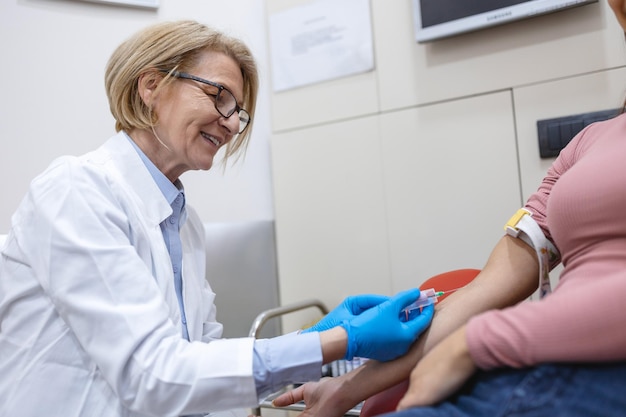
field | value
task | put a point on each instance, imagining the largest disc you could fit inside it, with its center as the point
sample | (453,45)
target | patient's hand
(440,373)
(322,398)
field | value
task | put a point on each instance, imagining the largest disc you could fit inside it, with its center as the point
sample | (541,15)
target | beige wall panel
(588,93)
(327,101)
(451,182)
(548,47)
(324,102)
(330,223)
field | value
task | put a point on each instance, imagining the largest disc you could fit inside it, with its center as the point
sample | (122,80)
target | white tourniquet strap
(524,227)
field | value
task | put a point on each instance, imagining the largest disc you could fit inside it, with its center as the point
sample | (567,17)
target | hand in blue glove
(351,307)
(380,332)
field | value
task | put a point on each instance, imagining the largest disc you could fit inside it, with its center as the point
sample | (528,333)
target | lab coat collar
(134,172)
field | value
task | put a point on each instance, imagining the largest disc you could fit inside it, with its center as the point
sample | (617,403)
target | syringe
(426,298)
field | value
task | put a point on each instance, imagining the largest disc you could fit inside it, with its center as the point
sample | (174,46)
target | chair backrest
(241,268)
(386,401)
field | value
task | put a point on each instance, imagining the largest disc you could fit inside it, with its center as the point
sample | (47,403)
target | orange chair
(450,280)
(386,401)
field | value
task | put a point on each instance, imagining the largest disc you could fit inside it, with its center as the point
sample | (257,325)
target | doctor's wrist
(334,343)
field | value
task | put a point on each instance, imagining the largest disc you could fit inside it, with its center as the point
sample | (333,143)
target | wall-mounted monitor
(435,19)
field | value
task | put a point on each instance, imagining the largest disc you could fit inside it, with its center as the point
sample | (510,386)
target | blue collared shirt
(170,227)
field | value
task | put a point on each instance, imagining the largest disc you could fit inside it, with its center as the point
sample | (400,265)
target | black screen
(440,11)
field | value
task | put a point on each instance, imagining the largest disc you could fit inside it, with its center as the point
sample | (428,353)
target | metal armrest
(266,315)
(262,318)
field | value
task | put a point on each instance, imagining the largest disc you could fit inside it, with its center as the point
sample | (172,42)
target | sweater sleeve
(538,201)
(582,322)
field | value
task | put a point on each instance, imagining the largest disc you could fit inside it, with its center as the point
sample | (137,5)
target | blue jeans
(551,390)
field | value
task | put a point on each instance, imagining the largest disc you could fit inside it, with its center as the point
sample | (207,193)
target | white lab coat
(90,324)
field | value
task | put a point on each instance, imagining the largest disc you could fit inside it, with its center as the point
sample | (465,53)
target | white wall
(53,102)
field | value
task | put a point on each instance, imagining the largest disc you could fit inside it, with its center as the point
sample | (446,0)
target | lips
(213,140)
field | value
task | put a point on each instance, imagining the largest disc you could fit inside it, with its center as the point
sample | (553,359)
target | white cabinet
(451,182)
(330,212)
(379,204)
(385,178)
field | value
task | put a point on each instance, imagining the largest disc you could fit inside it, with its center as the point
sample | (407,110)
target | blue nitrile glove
(380,332)
(349,308)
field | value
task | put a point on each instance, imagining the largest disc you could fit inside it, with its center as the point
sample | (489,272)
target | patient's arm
(510,275)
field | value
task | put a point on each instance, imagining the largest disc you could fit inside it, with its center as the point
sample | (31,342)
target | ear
(147,86)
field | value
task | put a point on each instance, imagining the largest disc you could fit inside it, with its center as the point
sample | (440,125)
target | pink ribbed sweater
(581,206)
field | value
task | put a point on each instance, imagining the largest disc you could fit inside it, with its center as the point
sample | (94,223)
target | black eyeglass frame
(245,120)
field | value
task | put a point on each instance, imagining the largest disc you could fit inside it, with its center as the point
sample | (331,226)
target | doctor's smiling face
(179,90)
(191,113)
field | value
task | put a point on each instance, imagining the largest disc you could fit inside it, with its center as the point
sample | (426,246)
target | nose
(231,123)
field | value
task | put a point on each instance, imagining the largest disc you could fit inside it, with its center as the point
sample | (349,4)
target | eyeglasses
(225,102)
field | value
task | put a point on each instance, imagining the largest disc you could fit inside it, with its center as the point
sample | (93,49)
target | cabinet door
(451,182)
(381,203)
(329,207)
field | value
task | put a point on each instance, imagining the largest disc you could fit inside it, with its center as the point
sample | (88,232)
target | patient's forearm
(509,276)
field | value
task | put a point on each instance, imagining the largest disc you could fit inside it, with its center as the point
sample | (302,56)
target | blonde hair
(172,46)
